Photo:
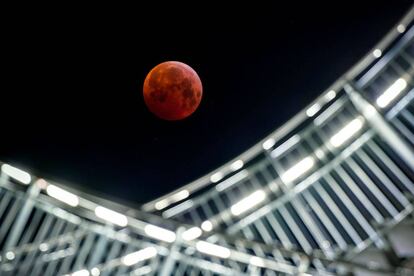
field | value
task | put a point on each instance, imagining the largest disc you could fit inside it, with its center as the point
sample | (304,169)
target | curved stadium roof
(317,196)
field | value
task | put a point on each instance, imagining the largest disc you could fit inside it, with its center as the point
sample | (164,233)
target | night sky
(72,110)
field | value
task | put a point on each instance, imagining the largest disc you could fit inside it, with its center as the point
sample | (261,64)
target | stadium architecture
(330,192)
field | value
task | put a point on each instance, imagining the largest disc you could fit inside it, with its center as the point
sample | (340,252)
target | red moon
(172,90)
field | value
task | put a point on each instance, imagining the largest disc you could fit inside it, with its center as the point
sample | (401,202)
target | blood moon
(172,90)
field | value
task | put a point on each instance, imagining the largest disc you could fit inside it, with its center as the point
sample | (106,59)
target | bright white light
(391,93)
(180,195)
(237,165)
(256,261)
(82,272)
(16,173)
(285,146)
(10,255)
(347,132)
(159,205)
(159,233)
(95,271)
(111,216)
(231,180)
(248,202)
(326,244)
(139,256)
(330,95)
(41,183)
(320,153)
(143,270)
(207,226)
(269,143)
(43,247)
(377,53)
(401,28)
(213,249)
(172,199)
(178,209)
(62,195)
(313,110)
(192,233)
(297,170)
(216,177)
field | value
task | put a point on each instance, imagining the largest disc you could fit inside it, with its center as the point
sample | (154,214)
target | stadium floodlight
(95,271)
(248,202)
(297,170)
(16,173)
(82,272)
(401,28)
(377,53)
(285,146)
(311,111)
(330,95)
(346,132)
(216,177)
(111,216)
(43,247)
(237,165)
(391,92)
(207,226)
(159,233)
(269,143)
(10,255)
(320,153)
(62,195)
(180,195)
(138,256)
(232,180)
(192,233)
(213,249)
(159,205)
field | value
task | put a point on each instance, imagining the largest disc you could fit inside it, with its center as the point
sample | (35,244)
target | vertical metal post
(100,247)
(17,228)
(381,126)
(169,262)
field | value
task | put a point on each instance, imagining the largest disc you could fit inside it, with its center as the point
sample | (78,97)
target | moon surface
(172,90)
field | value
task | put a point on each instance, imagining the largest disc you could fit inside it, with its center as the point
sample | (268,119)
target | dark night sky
(73,109)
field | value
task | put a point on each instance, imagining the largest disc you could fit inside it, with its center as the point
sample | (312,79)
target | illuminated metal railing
(312,197)
(330,178)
